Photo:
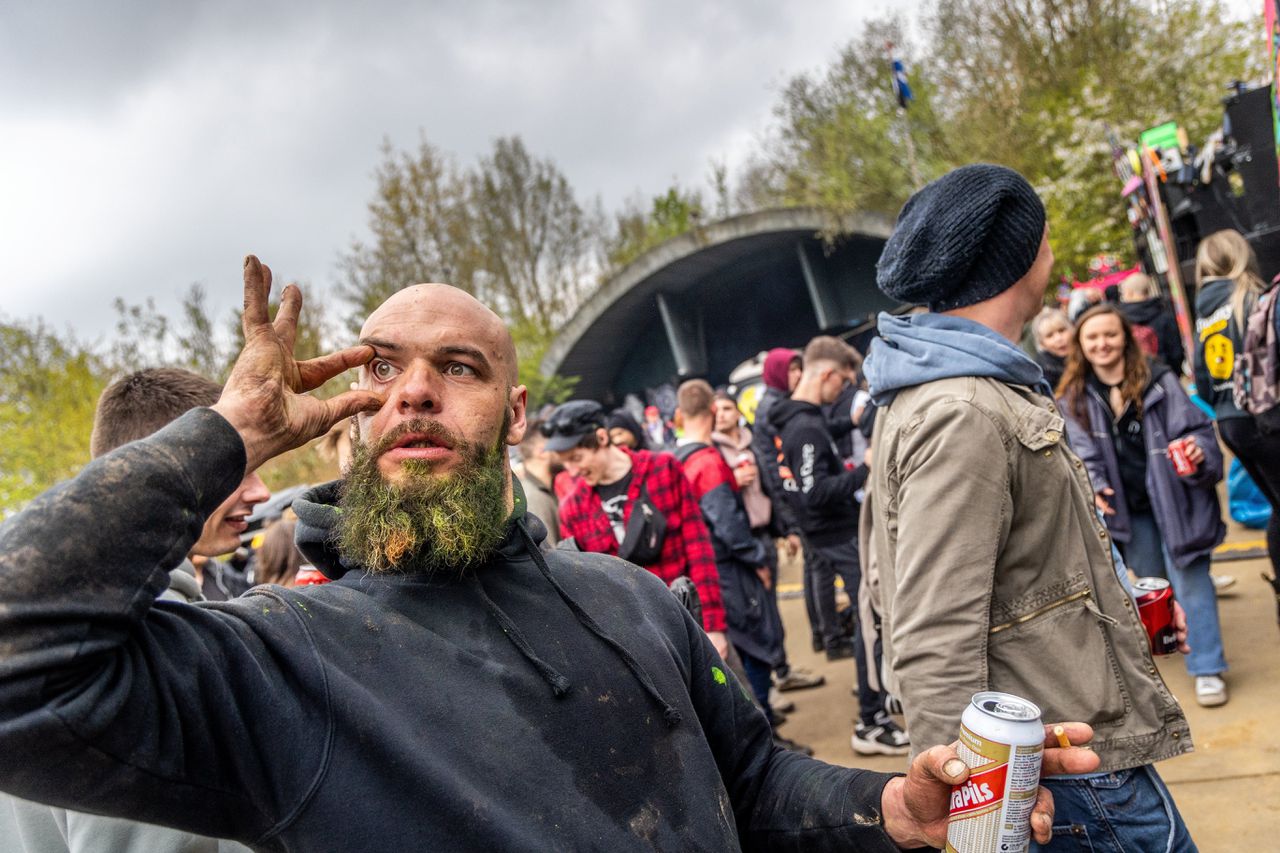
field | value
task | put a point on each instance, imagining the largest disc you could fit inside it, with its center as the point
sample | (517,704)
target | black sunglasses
(577,417)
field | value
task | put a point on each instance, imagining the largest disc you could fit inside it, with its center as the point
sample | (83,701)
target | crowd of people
(495,659)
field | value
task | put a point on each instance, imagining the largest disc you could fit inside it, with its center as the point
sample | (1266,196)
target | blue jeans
(1129,811)
(1192,586)
(760,679)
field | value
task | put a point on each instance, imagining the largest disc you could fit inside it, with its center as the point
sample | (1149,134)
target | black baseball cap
(571,422)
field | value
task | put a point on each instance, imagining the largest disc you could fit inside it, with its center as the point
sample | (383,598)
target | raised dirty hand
(265,398)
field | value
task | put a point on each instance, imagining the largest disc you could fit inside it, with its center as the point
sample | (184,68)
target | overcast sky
(145,146)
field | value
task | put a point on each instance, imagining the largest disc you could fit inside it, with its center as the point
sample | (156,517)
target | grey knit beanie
(962,239)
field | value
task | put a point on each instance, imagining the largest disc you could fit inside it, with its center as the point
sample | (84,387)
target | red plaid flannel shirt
(686,551)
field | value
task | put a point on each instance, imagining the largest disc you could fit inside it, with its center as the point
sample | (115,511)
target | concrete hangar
(701,304)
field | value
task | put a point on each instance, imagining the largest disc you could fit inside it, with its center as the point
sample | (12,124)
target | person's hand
(1194,454)
(721,643)
(915,807)
(1180,627)
(866,457)
(792,544)
(1100,501)
(265,397)
(766,577)
(745,475)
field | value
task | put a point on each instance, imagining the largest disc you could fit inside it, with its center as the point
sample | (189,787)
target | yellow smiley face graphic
(1219,356)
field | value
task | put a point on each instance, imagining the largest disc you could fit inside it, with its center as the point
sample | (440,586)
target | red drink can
(309,576)
(1181,461)
(1155,608)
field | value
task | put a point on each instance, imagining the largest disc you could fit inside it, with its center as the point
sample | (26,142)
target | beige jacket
(996,573)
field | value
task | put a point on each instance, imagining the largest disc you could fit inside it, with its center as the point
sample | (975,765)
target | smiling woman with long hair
(1124,417)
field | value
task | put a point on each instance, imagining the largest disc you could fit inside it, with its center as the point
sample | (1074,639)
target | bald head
(445,312)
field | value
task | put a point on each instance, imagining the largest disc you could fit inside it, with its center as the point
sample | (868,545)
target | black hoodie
(823,498)
(562,702)
(1216,335)
(1156,315)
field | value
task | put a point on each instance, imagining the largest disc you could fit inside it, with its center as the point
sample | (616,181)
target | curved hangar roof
(701,303)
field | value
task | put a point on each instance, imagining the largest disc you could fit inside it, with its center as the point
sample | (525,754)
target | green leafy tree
(537,246)
(637,230)
(1031,84)
(840,140)
(1036,84)
(197,347)
(509,230)
(49,387)
(421,230)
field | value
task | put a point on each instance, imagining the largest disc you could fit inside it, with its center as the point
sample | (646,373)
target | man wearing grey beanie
(996,571)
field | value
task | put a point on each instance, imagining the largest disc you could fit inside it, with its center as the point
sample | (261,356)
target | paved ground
(1228,789)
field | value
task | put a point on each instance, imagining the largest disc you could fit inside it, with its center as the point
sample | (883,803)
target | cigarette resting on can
(1061,734)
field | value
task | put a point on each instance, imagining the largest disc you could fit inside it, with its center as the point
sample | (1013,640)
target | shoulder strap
(684,451)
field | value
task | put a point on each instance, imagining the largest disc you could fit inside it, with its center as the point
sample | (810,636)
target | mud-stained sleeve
(115,704)
(781,800)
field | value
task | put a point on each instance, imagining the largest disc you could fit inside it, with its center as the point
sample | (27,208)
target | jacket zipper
(1075,596)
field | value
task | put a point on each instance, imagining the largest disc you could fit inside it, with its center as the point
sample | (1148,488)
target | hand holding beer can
(1155,609)
(1002,741)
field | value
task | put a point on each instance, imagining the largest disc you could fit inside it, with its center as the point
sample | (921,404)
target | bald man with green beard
(452,689)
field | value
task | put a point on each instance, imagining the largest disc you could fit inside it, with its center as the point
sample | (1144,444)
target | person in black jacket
(1051,331)
(563,701)
(828,516)
(1142,306)
(781,372)
(1228,286)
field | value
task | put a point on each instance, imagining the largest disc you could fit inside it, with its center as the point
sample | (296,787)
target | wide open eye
(457,368)
(382,371)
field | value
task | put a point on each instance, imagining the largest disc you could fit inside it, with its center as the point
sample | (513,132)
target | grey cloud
(239,127)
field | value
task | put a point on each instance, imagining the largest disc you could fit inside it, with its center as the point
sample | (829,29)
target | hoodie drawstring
(559,684)
(670,714)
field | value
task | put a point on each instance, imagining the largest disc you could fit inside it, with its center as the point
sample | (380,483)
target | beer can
(1182,463)
(1002,741)
(1155,608)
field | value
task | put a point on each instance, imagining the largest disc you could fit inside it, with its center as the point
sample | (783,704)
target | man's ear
(517,402)
(602,437)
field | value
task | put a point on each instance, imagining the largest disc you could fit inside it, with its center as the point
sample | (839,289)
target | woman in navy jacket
(1122,413)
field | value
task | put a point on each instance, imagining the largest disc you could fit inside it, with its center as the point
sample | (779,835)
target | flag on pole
(900,86)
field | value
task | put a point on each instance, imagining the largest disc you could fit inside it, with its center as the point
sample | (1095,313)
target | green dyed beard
(427,522)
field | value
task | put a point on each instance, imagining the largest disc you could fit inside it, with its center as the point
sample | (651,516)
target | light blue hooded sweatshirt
(922,348)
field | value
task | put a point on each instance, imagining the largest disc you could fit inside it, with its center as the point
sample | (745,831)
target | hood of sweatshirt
(785,409)
(316,536)
(776,365)
(923,348)
(1145,312)
(1212,294)
(183,585)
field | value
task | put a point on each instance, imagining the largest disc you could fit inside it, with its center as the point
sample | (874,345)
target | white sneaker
(1222,583)
(884,738)
(1211,690)
(778,702)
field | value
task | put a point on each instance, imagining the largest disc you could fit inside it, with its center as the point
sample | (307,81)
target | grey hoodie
(926,347)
